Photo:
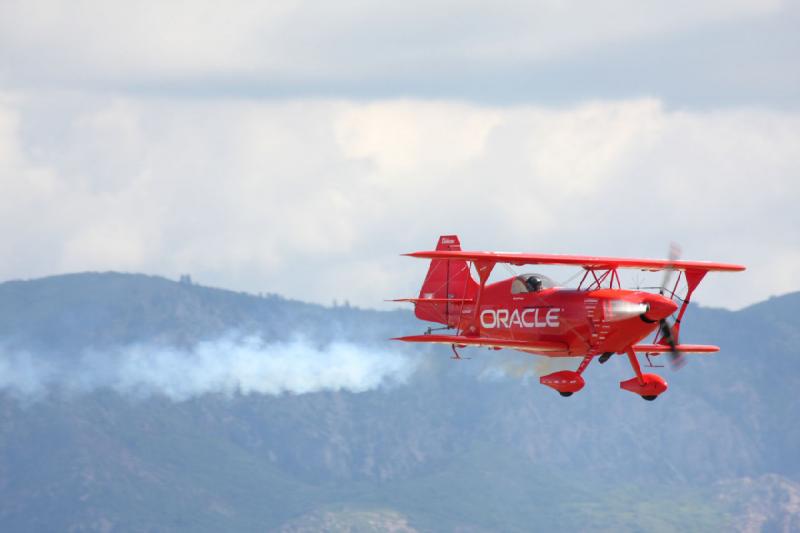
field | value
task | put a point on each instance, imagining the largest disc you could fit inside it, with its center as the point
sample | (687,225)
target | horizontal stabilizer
(681,348)
(487,342)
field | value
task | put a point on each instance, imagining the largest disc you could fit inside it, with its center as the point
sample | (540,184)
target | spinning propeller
(676,358)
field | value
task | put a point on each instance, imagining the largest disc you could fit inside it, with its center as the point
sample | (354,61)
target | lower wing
(680,348)
(544,347)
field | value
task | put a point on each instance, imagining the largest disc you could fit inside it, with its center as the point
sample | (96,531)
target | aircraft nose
(659,307)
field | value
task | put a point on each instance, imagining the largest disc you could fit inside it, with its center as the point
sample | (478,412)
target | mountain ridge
(475,444)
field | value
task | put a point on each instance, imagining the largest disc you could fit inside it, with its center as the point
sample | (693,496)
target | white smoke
(525,366)
(230,365)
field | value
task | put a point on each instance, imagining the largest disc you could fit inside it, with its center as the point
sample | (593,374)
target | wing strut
(484,269)
(667,336)
(456,355)
(693,279)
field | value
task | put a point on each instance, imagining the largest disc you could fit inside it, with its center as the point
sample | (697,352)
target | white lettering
(527,322)
(491,314)
(536,319)
(552,317)
(502,317)
(527,318)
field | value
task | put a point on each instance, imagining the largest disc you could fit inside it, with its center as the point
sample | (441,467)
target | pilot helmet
(534,283)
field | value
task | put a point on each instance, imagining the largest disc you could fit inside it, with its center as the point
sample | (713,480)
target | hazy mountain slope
(472,444)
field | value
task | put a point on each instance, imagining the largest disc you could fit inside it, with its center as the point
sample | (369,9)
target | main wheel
(650,398)
(565,394)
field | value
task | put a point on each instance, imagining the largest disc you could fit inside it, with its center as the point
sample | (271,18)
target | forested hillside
(118,411)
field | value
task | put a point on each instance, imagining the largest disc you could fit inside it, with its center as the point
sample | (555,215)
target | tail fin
(447,279)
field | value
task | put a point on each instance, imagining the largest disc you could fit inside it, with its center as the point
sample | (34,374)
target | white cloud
(97,42)
(412,145)
(315,198)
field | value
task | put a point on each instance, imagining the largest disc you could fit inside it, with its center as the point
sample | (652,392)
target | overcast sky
(299,147)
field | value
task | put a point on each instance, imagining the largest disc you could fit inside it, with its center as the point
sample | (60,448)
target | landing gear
(648,386)
(567,382)
(605,357)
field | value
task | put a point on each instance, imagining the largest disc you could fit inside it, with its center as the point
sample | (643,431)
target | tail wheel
(565,394)
(650,397)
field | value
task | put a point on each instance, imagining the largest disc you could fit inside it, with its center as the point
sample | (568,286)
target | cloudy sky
(298,147)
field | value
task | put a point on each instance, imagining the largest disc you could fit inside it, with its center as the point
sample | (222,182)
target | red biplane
(529,313)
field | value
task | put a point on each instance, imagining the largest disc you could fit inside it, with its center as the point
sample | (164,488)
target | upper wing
(487,342)
(576,260)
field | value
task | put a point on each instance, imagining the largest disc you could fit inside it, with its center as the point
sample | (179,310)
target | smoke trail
(229,366)
(519,366)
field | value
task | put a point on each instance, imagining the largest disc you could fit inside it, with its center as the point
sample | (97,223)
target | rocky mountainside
(111,417)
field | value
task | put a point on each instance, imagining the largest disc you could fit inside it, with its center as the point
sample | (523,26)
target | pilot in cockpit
(531,283)
(534,283)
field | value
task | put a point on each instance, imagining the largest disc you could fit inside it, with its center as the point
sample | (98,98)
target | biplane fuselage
(530,314)
(583,322)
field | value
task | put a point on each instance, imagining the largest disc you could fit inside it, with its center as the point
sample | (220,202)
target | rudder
(447,279)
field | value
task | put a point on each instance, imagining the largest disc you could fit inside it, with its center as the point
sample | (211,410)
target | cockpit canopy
(531,283)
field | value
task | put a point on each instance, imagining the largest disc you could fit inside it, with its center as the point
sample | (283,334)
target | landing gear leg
(584,364)
(567,382)
(635,364)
